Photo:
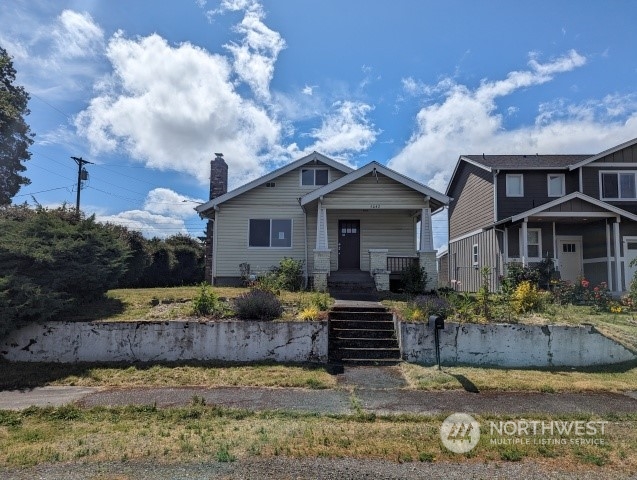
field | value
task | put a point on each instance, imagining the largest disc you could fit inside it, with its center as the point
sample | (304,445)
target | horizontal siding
(377,192)
(535,191)
(472,207)
(280,202)
(461,266)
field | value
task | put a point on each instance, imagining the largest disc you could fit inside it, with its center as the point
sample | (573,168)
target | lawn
(174,303)
(207,433)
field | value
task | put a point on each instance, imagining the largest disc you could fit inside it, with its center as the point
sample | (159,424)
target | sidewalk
(370,389)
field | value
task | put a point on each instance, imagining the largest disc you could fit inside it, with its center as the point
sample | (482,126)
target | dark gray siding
(576,205)
(461,266)
(626,155)
(535,191)
(472,204)
(590,182)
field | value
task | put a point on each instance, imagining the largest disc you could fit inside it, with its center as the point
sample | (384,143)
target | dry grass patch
(28,375)
(200,433)
(610,378)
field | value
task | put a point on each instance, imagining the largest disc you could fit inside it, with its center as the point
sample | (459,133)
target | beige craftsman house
(328,215)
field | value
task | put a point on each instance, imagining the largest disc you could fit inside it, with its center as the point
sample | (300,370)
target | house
(578,210)
(328,215)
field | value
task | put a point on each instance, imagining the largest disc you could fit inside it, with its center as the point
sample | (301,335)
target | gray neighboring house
(579,210)
(320,211)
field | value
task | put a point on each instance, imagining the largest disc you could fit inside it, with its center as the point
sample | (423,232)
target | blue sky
(149,90)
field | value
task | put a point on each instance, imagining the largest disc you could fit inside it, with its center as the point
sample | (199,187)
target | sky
(147,91)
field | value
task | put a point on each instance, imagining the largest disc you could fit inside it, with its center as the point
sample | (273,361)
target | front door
(349,244)
(630,254)
(569,251)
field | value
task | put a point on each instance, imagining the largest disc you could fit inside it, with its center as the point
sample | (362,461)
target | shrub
(428,305)
(526,297)
(516,274)
(207,302)
(258,305)
(309,313)
(414,279)
(290,274)
(268,282)
(321,301)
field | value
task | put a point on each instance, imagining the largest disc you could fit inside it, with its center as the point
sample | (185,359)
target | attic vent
(270,184)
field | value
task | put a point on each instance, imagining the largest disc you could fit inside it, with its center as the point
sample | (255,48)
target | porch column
(321,252)
(618,270)
(609,265)
(525,242)
(427,254)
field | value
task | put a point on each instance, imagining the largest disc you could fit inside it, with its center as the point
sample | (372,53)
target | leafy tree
(188,268)
(52,262)
(15,134)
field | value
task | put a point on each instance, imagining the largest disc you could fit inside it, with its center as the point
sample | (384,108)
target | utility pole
(82,174)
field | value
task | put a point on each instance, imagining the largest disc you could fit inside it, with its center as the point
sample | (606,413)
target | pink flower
(585,283)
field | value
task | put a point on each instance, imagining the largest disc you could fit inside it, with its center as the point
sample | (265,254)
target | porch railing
(400,264)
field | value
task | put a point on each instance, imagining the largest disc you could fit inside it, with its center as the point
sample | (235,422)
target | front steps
(362,335)
(352,285)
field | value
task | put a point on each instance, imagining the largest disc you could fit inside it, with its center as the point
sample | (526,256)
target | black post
(80,163)
(438,323)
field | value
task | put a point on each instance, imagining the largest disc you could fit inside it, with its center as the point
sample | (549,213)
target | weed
(223,454)
(207,302)
(426,457)
(512,455)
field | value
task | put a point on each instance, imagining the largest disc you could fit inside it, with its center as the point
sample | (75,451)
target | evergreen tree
(15,134)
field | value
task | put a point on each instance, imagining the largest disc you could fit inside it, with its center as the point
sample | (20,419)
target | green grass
(175,303)
(614,378)
(201,433)
(20,375)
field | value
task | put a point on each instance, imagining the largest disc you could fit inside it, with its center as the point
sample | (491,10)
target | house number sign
(375,205)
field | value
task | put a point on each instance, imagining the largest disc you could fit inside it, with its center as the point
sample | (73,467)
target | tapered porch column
(525,243)
(427,254)
(618,267)
(321,252)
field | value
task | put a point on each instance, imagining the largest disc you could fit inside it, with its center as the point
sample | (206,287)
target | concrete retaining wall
(506,345)
(168,341)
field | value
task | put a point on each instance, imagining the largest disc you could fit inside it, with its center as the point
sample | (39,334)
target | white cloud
(165,213)
(467,121)
(346,130)
(150,224)
(255,56)
(76,35)
(166,201)
(171,107)
(309,90)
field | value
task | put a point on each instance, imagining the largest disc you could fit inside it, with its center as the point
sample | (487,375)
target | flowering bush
(258,305)
(526,297)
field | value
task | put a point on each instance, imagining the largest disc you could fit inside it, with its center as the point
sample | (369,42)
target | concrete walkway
(370,389)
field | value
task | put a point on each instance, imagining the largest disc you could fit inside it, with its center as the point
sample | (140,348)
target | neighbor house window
(475,254)
(618,185)
(270,233)
(555,184)
(534,242)
(314,176)
(515,185)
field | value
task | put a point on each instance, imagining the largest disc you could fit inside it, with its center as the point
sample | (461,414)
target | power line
(42,191)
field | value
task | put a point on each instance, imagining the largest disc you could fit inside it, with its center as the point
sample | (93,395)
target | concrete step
(370,316)
(359,362)
(361,324)
(364,343)
(366,353)
(366,308)
(337,332)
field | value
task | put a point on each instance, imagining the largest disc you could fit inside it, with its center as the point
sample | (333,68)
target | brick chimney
(218,186)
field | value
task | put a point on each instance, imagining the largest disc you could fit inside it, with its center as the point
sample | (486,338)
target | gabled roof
(438,198)
(524,162)
(568,198)
(271,176)
(590,159)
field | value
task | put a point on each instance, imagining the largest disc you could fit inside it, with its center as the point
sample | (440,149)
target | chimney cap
(219,154)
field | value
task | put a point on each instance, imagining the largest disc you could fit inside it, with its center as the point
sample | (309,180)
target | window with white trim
(618,185)
(270,232)
(534,242)
(474,254)
(556,184)
(314,176)
(515,185)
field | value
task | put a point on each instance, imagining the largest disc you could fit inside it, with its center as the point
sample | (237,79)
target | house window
(534,242)
(618,185)
(515,185)
(270,233)
(314,176)
(555,184)
(475,254)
